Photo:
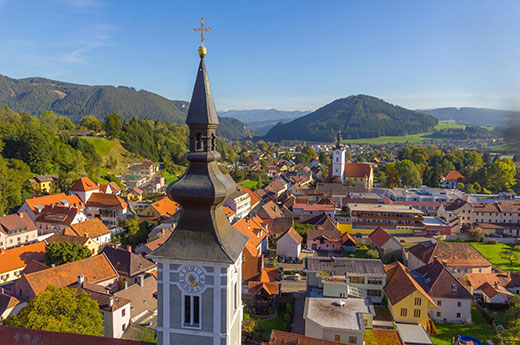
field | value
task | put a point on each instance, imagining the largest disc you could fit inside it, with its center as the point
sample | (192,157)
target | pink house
(324,239)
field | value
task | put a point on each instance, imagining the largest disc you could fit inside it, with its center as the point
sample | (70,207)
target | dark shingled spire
(203,232)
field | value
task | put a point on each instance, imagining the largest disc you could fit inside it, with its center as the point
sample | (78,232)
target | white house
(289,244)
(240,202)
(453,300)
(55,218)
(83,188)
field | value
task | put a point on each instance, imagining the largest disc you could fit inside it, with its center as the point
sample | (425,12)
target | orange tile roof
(379,236)
(284,338)
(19,257)
(400,284)
(453,175)
(103,200)
(90,228)
(84,184)
(58,199)
(228,211)
(268,279)
(247,227)
(94,269)
(166,207)
(359,170)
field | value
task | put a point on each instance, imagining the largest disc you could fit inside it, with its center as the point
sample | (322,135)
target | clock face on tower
(192,278)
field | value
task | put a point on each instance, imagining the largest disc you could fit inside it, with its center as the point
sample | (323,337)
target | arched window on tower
(213,142)
(198,142)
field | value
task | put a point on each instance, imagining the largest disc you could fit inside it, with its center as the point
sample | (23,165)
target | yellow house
(45,183)
(161,208)
(407,300)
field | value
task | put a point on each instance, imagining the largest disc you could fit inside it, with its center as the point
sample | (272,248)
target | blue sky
(275,54)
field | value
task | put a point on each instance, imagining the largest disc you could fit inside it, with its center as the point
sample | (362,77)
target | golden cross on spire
(202,30)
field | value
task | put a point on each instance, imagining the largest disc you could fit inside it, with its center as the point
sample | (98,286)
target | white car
(307,250)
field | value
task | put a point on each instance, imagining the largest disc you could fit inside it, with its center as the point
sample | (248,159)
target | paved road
(294,286)
(298,323)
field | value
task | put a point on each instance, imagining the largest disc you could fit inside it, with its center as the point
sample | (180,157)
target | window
(458,315)
(438,314)
(124,327)
(337,338)
(417,313)
(352,340)
(235,300)
(459,304)
(375,281)
(404,312)
(439,303)
(191,311)
(374,293)
(417,301)
(123,312)
(357,280)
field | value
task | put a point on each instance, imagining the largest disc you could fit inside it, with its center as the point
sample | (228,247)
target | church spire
(339,141)
(203,232)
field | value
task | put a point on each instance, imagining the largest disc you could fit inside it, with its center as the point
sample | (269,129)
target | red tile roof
(16,223)
(453,175)
(379,237)
(453,253)
(58,199)
(358,170)
(26,336)
(84,184)
(57,215)
(102,200)
(19,257)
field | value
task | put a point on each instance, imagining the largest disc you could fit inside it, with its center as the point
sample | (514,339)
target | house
(26,336)
(147,248)
(453,300)
(45,183)
(407,300)
(450,179)
(108,207)
(9,305)
(52,218)
(95,269)
(84,188)
(13,261)
(16,230)
(314,209)
(426,199)
(254,200)
(324,239)
(92,228)
(348,243)
(276,188)
(130,267)
(459,258)
(279,226)
(265,288)
(435,226)
(269,211)
(163,208)
(115,310)
(146,168)
(135,194)
(507,283)
(60,237)
(459,208)
(34,206)
(494,295)
(110,188)
(351,276)
(387,245)
(498,212)
(143,298)
(289,245)
(230,214)
(240,203)
(252,228)
(342,320)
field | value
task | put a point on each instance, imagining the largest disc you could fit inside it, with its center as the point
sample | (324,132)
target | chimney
(21,215)
(141,280)
(129,248)
(53,265)
(81,279)
(2,250)
(445,263)
(85,234)
(125,284)
(111,301)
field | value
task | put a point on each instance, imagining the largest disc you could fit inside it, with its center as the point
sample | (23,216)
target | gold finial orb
(202,51)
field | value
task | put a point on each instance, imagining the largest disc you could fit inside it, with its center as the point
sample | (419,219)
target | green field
(492,253)
(480,329)
(168,178)
(412,138)
(112,149)
(249,184)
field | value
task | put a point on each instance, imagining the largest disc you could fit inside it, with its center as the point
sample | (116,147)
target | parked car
(307,250)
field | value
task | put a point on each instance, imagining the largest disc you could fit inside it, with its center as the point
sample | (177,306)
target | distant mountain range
(37,95)
(474,116)
(262,120)
(358,116)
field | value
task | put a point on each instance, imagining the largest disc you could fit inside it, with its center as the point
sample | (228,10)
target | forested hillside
(37,95)
(474,116)
(358,116)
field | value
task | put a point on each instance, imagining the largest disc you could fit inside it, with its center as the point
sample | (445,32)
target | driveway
(298,323)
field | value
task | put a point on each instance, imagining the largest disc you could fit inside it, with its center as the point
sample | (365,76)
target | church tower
(338,160)
(199,275)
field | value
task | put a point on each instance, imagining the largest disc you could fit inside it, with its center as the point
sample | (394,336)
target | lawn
(480,329)
(412,138)
(492,253)
(102,145)
(168,178)
(498,315)
(249,184)
(268,325)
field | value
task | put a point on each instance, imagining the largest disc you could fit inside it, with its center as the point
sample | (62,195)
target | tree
(249,324)
(392,175)
(511,255)
(60,309)
(372,254)
(408,173)
(501,175)
(309,151)
(476,235)
(113,126)
(91,123)
(63,252)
